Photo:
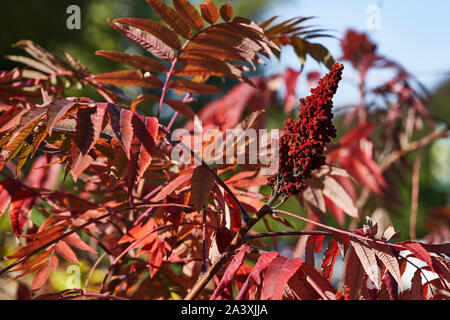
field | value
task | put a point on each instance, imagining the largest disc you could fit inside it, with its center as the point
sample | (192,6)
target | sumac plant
(110,194)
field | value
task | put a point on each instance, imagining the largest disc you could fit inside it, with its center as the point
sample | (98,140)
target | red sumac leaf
(120,120)
(368,260)
(155,258)
(137,61)
(390,233)
(389,260)
(201,185)
(75,241)
(145,132)
(300,288)
(333,191)
(21,203)
(226,11)
(354,276)
(63,249)
(231,270)
(261,265)
(193,87)
(23,292)
(313,245)
(391,286)
(441,248)
(419,252)
(171,17)
(183,108)
(129,78)
(189,13)
(155,28)
(34,245)
(316,280)
(209,11)
(146,40)
(171,187)
(223,238)
(42,275)
(329,259)
(7,187)
(57,109)
(277,275)
(416,291)
(88,128)
(137,135)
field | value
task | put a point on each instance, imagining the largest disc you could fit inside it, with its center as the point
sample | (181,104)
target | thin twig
(288,233)
(394,156)
(175,115)
(415,195)
(237,241)
(64,235)
(245,216)
(349,233)
(91,271)
(203,213)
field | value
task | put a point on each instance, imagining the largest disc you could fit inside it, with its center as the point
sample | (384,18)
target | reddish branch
(415,195)
(288,233)
(301,151)
(237,241)
(64,235)
(168,76)
(83,226)
(413,146)
(174,142)
(348,233)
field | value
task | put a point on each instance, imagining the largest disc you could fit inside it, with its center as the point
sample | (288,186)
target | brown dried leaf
(155,28)
(188,11)
(202,183)
(137,61)
(129,78)
(226,11)
(209,11)
(145,40)
(171,17)
(193,87)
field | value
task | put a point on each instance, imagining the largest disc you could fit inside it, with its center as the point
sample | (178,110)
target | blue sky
(414,33)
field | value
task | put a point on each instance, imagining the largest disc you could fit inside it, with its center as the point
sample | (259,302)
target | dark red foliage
(302,144)
(355,46)
(170,228)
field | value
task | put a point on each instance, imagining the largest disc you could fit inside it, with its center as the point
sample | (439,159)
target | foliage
(168,228)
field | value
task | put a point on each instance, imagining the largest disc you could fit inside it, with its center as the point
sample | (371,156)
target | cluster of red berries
(355,46)
(301,147)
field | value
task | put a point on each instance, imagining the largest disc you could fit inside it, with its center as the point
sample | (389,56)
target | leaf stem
(288,233)
(168,76)
(237,241)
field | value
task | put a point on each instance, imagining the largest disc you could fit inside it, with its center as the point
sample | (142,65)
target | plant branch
(413,146)
(237,241)
(337,230)
(64,235)
(175,115)
(415,195)
(288,233)
(245,216)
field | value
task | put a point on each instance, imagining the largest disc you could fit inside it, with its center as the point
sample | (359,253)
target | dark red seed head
(302,145)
